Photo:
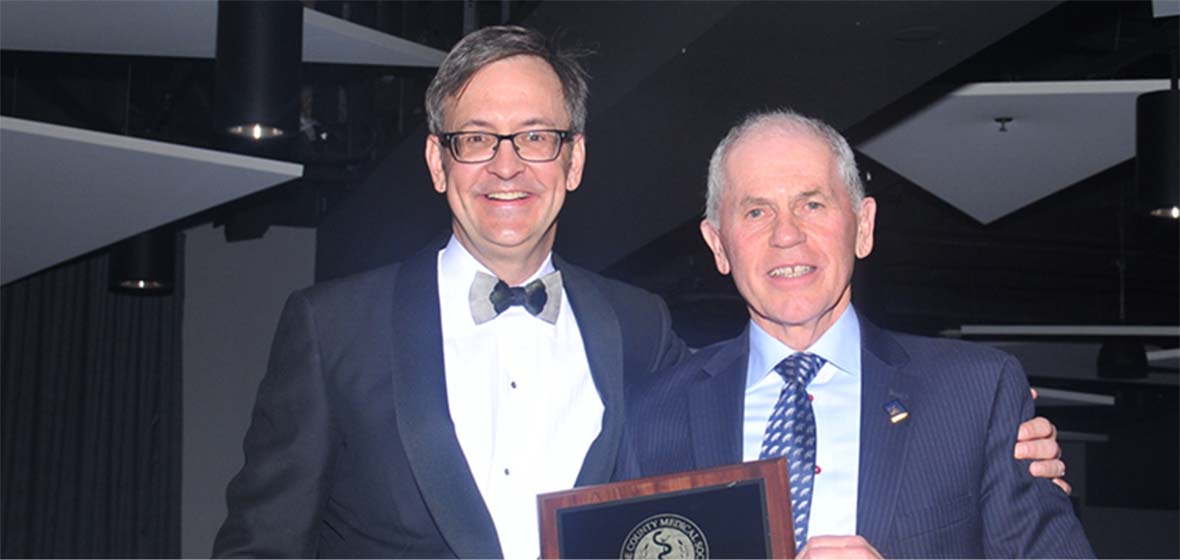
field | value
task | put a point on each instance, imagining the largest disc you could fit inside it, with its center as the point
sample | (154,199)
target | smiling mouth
(791,271)
(507,195)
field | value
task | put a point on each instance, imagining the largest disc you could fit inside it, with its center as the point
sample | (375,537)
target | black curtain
(91,417)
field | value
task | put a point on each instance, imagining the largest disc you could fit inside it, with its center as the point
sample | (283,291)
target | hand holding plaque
(736,511)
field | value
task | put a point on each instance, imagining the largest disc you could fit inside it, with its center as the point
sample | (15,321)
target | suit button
(513,384)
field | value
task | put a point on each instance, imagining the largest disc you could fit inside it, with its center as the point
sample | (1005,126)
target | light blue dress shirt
(836,401)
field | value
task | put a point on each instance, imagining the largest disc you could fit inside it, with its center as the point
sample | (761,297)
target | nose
(505,164)
(787,232)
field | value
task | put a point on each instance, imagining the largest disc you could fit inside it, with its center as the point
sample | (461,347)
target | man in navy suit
(416,410)
(897,445)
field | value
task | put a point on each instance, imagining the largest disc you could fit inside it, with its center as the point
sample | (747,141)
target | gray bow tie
(483,310)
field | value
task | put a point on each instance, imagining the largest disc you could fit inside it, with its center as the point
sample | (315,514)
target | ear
(866,220)
(573,175)
(713,240)
(434,156)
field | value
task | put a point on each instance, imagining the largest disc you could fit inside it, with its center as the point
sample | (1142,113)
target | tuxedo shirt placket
(524,439)
(518,339)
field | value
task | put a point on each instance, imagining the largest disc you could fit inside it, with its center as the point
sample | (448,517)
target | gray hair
(786,120)
(492,44)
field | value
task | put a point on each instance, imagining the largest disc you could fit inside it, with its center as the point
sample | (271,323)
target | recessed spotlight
(1173,212)
(255,131)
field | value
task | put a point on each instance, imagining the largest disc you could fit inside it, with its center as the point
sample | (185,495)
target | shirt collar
(840,346)
(457,267)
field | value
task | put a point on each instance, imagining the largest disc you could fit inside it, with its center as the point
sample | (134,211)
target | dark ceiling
(1080,256)
(669,78)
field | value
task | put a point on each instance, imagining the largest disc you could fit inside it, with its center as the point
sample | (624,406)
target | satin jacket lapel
(883,444)
(603,339)
(423,419)
(715,406)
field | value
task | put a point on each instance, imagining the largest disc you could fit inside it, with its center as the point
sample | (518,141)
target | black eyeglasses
(537,146)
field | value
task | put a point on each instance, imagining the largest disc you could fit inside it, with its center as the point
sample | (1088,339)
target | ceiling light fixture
(259,50)
(144,264)
(1157,150)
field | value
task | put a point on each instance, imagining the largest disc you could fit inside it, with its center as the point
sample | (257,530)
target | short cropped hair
(492,44)
(786,120)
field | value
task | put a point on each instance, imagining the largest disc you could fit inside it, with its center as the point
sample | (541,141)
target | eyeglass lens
(530,145)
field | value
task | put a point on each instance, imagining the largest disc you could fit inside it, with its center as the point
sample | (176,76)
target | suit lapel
(715,406)
(603,340)
(423,418)
(883,444)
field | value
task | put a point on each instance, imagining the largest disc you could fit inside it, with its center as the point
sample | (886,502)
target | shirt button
(506,473)
(513,384)
(810,397)
(818,470)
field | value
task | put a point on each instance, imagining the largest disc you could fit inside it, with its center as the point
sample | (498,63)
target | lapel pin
(896,411)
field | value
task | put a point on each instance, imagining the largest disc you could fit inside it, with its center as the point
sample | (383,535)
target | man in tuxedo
(896,444)
(416,410)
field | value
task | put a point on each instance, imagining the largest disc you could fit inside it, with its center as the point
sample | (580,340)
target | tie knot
(532,296)
(800,368)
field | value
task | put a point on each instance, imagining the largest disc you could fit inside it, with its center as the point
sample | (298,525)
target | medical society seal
(667,536)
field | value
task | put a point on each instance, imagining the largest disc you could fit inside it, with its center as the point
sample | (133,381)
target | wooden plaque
(735,511)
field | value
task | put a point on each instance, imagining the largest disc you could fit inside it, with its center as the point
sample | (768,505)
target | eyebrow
(753,201)
(485,124)
(538,121)
(756,200)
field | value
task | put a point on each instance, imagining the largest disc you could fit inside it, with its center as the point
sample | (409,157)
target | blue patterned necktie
(790,433)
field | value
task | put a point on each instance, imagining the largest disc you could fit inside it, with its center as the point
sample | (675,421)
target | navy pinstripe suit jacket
(942,483)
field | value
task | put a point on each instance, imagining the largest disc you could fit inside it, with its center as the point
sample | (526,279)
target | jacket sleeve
(276,500)
(670,350)
(1023,517)
(666,351)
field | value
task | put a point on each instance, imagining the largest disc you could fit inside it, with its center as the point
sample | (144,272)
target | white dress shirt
(836,402)
(522,399)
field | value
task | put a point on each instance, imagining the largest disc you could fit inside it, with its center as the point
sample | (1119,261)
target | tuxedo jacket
(351,451)
(942,483)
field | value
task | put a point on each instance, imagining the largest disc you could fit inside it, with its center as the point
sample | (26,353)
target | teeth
(792,271)
(507,195)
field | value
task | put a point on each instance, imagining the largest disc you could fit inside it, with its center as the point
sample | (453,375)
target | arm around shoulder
(1022,516)
(671,350)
